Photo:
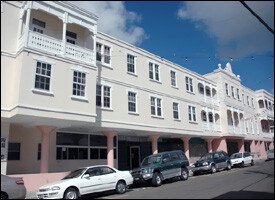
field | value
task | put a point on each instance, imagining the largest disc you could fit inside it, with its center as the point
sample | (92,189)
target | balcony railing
(230,129)
(211,126)
(52,45)
(209,100)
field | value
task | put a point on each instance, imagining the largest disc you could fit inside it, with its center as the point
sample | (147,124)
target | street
(255,182)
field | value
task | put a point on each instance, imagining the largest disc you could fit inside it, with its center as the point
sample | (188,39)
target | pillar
(262,150)
(45,147)
(27,26)
(241,145)
(219,145)
(186,145)
(154,140)
(65,19)
(5,131)
(271,145)
(209,145)
(110,148)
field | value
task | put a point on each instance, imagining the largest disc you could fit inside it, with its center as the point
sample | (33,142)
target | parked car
(158,167)
(211,162)
(85,181)
(241,159)
(270,154)
(12,188)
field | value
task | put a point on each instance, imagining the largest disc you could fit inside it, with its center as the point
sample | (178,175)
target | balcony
(211,126)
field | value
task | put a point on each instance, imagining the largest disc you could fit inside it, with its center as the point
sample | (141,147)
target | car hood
(57,183)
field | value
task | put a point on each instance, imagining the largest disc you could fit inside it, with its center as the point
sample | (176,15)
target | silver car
(12,188)
(270,154)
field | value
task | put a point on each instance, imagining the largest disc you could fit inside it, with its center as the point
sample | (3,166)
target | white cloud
(238,32)
(115,20)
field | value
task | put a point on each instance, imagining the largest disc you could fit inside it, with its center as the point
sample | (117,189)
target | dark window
(14,151)
(39,151)
(106,170)
(130,63)
(94,153)
(38,23)
(102,153)
(174,156)
(93,171)
(71,34)
(166,158)
(42,76)
(71,139)
(98,140)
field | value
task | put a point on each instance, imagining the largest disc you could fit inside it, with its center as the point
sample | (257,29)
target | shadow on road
(246,195)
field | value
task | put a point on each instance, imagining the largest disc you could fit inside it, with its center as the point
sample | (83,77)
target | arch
(201,88)
(229,118)
(203,116)
(261,103)
(207,91)
(214,92)
(211,117)
(217,118)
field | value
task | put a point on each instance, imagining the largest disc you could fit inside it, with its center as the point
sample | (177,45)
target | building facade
(72,96)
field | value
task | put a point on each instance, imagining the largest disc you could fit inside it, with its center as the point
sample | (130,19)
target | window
(156,106)
(192,113)
(247,98)
(98,144)
(103,96)
(154,71)
(71,37)
(175,110)
(42,76)
(98,52)
(106,55)
(252,102)
(207,92)
(132,102)
(173,78)
(14,151)
(79,83)
(226,88)
(38,26)
(39,151)
(238,94)
(210,116)
(189,84)
(243,99)
(232,91)
(204,118)
(131,63)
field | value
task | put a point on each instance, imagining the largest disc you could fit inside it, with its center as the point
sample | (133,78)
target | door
(108,178)
(134,157)
(92,183)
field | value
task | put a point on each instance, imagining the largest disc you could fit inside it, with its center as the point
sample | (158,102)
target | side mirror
(87,176)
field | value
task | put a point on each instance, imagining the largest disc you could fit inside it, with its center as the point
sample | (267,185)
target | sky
(197,35)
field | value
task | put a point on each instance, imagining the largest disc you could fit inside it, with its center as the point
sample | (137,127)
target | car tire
(71,193)
(184,174)
(121,187)
(4,196)
(252,163)
(228,166)
(156,179)
(242,164)
(213,169)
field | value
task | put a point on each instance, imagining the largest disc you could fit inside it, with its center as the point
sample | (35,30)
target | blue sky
(197,30)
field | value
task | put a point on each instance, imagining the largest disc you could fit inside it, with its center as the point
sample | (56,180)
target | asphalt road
(255,182)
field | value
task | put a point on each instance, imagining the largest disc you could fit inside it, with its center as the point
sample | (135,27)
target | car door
(108,178)
(92,183)
(247,158)
(216,159)
(166,165)
(223,159)
(175,164)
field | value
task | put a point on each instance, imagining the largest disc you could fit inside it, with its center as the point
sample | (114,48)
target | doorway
(134,156)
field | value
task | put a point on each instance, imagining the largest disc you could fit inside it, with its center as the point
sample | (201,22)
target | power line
(257,16)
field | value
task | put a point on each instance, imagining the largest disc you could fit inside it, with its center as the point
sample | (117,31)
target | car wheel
(213,169)
(156,180)
(3,196)
(242,164)
(184,174)
(228,166)
(121,187)
(252,163)
(71,193)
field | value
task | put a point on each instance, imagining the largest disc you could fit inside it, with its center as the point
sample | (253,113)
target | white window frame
(136,104)
(178,110)
(154,65)
(238,94)
(247,100)
(173,79)
(102,96)
(192,108)
(232,92)
(102,54)
(226,89)
(81,84)
(156,106)
(189,83)
(135,64)
(39,29)
(71,38)
(45,76)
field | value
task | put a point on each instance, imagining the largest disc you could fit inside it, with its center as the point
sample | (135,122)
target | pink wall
(262,150)
(241,145)
(32,182)
(219,144)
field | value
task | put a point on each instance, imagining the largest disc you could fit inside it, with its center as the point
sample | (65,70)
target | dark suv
(211,162)
(158,167)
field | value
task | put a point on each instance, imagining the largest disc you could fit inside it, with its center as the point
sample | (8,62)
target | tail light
(19,182)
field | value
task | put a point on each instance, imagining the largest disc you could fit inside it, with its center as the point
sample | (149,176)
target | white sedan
(85,181)
(241,159)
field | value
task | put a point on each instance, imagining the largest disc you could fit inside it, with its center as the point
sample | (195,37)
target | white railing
(205,125)
(79,53)
(230,129)
(238,130)
(44,43)
(217,127)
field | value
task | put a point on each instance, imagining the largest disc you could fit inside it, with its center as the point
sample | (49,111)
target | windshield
(236,155)
(151,159)
(75,173)
(206,157)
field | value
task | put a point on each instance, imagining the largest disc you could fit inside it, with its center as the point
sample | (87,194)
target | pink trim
(262,150)
(110,148)
(219,145)
(209,144)
(45,147)
(154,140)
(186,145)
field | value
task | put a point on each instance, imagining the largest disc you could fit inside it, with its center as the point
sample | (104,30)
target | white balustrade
(79,53)
(230,129)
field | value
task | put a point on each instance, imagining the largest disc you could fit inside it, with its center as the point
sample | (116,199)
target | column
(233,120)
(219,145)
(252,146)
(20,25)
(262,150)
(241,145)
(186,145)
(209,145)
(65,21)
(5,131)
(110,148)
(214,120)
(94,48)
(27,26)
(154,140)
(45,147)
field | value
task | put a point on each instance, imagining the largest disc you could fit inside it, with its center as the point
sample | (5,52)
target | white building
(72,96)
